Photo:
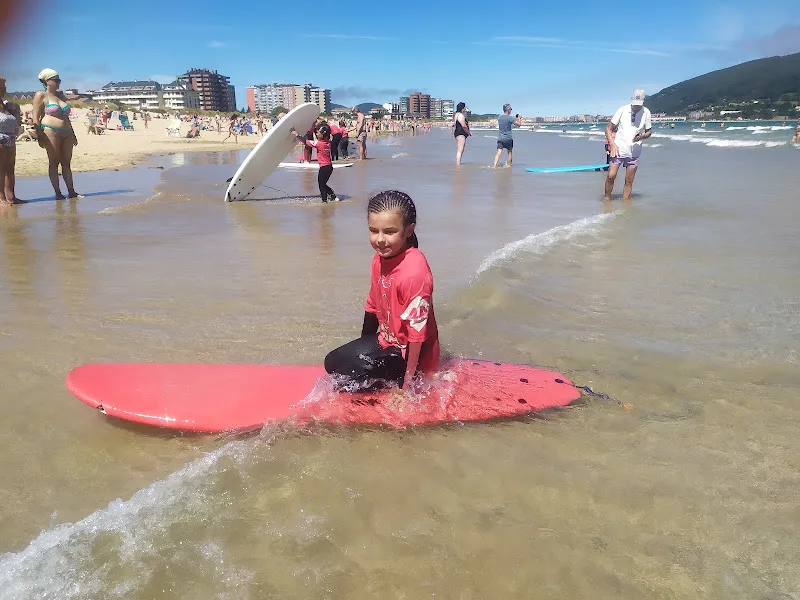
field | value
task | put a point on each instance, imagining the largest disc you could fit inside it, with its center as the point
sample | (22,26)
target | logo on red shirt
(417,313)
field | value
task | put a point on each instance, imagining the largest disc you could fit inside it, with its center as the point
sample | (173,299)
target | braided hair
(392,200)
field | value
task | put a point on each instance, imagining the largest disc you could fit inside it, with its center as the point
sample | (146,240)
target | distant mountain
(762,79)
(364,106)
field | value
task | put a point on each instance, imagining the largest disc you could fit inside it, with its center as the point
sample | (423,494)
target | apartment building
(176,95)
(267,97)
(216,92)
(148,95)
(448,109)
(436,108)
(419,105)
(403,105)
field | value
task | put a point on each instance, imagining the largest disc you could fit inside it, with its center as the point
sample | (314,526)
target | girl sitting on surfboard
(399,337)
(323,146)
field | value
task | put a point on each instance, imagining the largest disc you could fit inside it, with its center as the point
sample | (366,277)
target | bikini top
(56,110)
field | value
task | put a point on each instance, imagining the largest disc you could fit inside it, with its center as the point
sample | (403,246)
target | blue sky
(546,59)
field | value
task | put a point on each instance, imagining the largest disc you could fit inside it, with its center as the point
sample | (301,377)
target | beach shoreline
(116,149)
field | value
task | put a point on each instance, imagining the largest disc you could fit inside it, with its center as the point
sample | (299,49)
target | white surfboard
(311,165)
(272,148)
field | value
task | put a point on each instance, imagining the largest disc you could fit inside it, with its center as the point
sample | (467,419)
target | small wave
(675,137)
(488,136)
(121,208)
(764,128)
(49,566)
(744,143)
(719,143)
(539,243)
(655,145)
(400,155)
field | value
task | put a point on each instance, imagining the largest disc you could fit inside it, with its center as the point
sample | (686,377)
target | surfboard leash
(266,186)
(602,396)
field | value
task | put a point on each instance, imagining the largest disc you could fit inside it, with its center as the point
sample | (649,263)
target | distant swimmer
(631,123)
(461,130)
(505,137)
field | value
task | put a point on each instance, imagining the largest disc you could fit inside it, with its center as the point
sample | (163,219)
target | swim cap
(47,74)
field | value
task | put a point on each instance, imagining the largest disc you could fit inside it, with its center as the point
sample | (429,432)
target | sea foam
(540,243)
(53,564)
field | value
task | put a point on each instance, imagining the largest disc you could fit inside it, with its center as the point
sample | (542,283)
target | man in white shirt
(624,134)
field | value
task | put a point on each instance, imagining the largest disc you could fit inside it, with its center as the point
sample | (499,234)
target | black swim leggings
(322,178)
(363,361)
(343,147)
(337,137)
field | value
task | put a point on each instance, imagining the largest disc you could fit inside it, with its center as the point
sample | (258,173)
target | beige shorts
(362,137)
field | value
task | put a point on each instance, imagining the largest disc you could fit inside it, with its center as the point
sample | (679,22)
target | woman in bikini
(51,114)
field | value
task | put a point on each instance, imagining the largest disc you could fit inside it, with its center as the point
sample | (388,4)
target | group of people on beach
(54,133)
(331,139)
(626,131)
(399,339)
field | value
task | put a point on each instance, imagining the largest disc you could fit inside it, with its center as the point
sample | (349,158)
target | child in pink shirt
(399,337)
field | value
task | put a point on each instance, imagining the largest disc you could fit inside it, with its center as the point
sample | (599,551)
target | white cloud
(562,44)
(343,36)
(525,39)
(216,44)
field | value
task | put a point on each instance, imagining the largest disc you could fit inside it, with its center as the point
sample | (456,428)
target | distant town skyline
(577,58)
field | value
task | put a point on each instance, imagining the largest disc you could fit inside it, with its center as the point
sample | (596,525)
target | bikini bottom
(60,131)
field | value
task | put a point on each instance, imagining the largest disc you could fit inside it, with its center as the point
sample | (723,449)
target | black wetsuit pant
(343,147)
(322,179)
(337,137)
(365,362)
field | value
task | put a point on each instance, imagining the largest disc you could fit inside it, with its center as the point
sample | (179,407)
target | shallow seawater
(682,306)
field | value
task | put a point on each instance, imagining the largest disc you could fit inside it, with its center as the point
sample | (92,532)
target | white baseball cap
(638,97)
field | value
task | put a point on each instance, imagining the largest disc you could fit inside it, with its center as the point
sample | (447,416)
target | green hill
(762,79)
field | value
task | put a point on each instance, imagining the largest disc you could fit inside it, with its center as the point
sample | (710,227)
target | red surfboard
(213,398)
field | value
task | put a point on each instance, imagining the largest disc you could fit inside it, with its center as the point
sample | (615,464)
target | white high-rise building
(436,108)
(448,109)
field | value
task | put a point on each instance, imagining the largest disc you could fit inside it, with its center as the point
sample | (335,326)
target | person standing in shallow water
(361,133)
(51,115)
(460,130)
(624,134)
(10,120)
(505,138)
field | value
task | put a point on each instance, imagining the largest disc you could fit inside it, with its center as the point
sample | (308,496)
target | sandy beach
(117,149)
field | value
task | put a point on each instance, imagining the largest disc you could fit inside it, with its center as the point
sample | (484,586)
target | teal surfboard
(600,167)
